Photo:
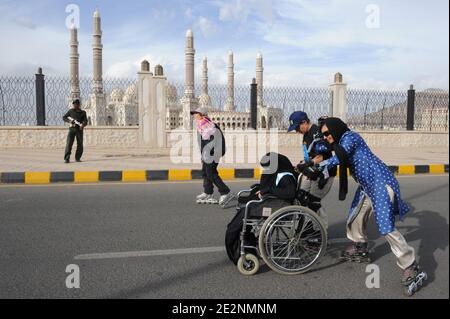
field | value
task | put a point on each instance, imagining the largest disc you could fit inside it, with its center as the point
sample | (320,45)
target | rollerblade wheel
(248,265)
(411,290)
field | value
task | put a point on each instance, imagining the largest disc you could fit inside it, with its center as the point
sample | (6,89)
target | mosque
(120,108)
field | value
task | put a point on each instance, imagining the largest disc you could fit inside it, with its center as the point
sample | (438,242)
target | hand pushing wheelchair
(289,237)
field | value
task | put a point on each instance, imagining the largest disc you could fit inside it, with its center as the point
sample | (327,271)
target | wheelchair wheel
(292,240)
(248,265)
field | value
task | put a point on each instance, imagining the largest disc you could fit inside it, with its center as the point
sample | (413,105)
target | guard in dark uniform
(77,119)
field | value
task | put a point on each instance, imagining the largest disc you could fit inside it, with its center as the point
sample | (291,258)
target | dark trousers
(74,132)
(211,177)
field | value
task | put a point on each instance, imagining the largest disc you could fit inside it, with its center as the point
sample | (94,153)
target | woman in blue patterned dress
(378,193)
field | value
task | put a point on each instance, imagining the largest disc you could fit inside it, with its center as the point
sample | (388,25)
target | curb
(78,177)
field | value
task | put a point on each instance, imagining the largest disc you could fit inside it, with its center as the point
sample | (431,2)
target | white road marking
(167,252)
(150,253)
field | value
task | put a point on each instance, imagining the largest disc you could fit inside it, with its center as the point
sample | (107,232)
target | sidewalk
(101,159)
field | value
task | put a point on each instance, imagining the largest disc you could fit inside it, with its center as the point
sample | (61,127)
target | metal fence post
(3,106)
(431,115)
(253,103)
(40,98)
(410,109)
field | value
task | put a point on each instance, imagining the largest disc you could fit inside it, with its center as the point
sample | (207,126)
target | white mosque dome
(130,94)
(116,95)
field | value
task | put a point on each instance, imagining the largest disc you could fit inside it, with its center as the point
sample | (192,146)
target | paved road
(45,228)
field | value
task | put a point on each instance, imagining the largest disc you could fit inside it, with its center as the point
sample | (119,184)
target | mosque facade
(120,107)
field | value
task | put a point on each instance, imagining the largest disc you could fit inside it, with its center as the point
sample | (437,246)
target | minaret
(98,51)
(189,102)
(97,108)
(74,65)
(229,107)
(204,99)
(205,76)
(259,79)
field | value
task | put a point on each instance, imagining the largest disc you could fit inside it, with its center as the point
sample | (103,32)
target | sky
(375,44)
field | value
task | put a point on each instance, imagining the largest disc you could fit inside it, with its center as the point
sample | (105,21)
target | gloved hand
(313,173)
(303,165)
(322,182)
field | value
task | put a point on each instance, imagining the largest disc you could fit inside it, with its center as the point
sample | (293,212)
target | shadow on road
(431,230)
(153,287)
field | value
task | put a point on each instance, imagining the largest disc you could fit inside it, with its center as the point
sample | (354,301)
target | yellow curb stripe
(348,171)
(437,169)
(257,173)
(134,176)
(180,175)
(86,177)
(227,173)
(37,178)
(406,170)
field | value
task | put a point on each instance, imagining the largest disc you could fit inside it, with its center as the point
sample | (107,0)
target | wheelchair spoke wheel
(292,240)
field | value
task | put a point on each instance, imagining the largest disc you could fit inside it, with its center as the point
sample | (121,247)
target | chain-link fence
(387,110)
(18,97)
(376,110)
(17,100)
(431,110)
(367,109)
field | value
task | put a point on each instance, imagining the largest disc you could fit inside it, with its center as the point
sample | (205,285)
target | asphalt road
(45,228)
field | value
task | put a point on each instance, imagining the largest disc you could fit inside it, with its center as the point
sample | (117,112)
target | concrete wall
(55,137)
(124,137)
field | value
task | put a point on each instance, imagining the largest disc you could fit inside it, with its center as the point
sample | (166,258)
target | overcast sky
(303,42)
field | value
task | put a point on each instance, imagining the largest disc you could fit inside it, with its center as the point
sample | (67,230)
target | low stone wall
(127,137)
(387,139)
(55,137)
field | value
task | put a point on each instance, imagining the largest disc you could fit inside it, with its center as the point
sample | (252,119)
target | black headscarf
(337,128)
(283,165)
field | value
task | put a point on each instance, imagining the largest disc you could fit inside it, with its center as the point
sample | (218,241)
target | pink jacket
(206,128)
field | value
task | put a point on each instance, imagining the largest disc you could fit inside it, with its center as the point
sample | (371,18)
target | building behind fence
(365,110)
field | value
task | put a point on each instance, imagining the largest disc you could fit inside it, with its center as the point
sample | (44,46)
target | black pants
(211,177)
(74,132)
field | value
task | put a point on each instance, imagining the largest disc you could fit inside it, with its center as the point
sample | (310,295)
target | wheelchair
(289,237)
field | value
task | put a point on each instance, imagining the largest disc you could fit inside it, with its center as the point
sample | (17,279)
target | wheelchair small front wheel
(248,265)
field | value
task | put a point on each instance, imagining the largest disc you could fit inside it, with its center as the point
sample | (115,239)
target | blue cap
(296,119)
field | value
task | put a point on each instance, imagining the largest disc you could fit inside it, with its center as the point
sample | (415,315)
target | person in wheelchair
(314,148)
(277,189)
